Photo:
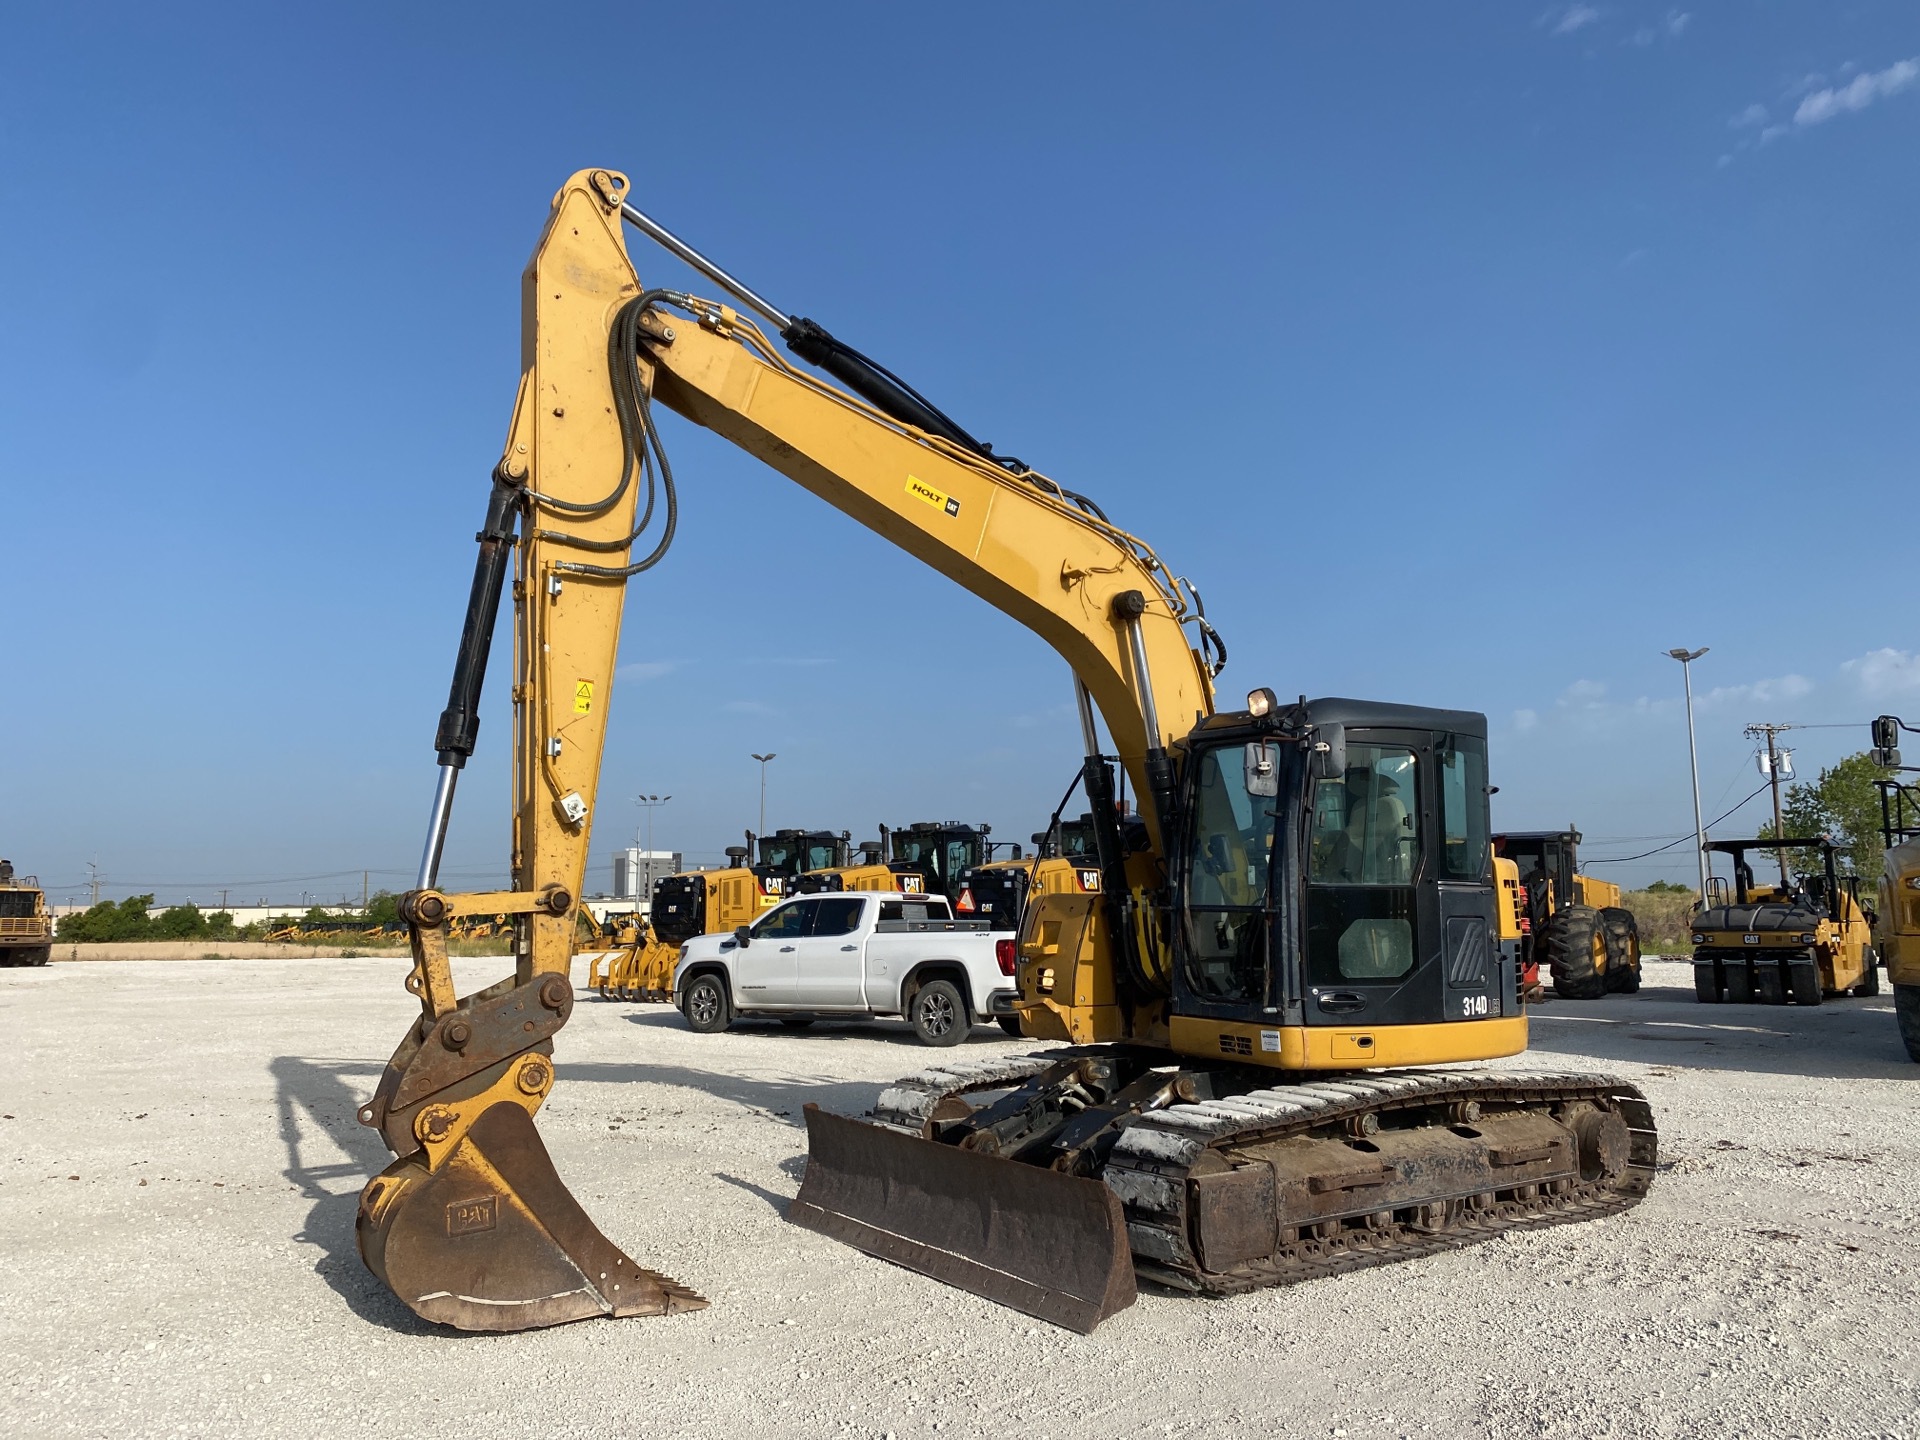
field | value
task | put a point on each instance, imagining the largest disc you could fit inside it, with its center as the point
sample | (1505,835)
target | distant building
(635,870)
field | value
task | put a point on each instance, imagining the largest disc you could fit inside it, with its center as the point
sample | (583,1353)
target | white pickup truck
(848,957)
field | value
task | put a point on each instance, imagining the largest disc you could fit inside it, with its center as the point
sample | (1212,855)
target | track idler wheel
(483,1235)
(1604,1142)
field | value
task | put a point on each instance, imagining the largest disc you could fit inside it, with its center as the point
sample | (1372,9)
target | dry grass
(1665,919)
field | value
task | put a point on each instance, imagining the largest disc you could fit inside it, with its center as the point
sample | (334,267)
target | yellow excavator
(1246,1004)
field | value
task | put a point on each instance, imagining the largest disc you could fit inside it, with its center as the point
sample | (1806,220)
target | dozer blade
(1046,1243)
(491,1239)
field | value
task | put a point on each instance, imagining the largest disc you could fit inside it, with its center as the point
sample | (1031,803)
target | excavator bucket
(1046,1243)
(491,1239)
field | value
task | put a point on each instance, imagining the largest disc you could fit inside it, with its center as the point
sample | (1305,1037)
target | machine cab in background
(1334,869)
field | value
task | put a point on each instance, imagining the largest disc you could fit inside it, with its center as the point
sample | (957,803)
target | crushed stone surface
(180,1162)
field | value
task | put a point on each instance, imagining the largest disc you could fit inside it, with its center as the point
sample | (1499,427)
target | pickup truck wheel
(940,1014)
(796,1022)
(1011,1024)
(707,1008)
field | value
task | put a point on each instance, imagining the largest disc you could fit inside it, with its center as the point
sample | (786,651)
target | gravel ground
(179,1163)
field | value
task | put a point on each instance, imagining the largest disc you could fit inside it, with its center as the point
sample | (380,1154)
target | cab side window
(789,922)
(838,916)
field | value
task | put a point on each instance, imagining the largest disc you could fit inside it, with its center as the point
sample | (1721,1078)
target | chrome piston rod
(437,828)
(659,233)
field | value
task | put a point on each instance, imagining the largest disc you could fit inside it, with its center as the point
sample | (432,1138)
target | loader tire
(1906,1010)
(1623,950)
(1578,953)
(1011,1024)
(707,1006)
(939,1014)
(1869,985)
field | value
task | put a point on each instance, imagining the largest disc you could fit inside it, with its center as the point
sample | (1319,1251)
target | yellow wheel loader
(1575,925)
(1258,1017)
(1798,944)
(26,927)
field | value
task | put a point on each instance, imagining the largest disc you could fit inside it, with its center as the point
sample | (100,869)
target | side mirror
(742,934)
(1329,752)
(1886,742)
(1263,774)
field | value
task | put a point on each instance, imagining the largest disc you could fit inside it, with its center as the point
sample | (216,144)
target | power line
(1622,859)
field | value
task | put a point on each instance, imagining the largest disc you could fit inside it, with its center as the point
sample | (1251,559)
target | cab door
(1373,928)
(1399,917)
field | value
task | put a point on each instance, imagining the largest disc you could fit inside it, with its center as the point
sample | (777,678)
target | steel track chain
(1154,1153)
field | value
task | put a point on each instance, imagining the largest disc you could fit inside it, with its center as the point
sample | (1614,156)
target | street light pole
(650,802)
(1686,659)
(763,759)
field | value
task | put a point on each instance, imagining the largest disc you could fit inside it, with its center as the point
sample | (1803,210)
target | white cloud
(1575,17)
(1885,673)
(1755,114)
(1672,27)
(1858,93)
(1759,692)
(1525,720)
(1723,161)
(1583,694)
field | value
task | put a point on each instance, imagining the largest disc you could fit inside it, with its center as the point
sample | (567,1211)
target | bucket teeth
(491,1238)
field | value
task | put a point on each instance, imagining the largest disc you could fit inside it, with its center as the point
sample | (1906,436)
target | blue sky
(1470,356)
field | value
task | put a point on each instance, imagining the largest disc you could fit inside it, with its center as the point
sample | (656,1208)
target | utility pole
(1686,658)
(223,899)
(93,868)
(363,892)
(763,759)
(1775,759)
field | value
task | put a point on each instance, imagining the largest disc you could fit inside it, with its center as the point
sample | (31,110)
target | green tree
(1843,805)
(109,920)
(383,908)
(180,922)
(220,925)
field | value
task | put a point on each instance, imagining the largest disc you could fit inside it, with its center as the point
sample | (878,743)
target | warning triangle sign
(965,903)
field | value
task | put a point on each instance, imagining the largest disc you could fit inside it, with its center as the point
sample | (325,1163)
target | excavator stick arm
(471,1225)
